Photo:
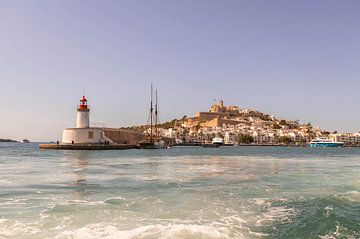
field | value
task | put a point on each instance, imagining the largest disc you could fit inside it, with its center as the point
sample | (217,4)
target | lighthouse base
(84,136)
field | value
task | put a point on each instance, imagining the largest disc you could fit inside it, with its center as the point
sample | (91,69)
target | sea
(181,192)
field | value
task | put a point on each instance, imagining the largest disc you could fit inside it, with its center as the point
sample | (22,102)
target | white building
(83,133)
(346,137)
(230,138)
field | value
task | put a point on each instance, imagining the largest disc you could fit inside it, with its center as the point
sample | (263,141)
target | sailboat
(153,140)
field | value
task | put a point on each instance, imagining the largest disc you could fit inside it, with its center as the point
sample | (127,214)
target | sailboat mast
(151,113)
(156,114)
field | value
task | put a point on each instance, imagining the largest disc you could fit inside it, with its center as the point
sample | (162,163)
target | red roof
(83,98)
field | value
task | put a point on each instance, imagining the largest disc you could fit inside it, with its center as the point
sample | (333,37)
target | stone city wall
(123,136)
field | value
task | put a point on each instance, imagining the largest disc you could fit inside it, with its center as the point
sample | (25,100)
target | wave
(350,196)
(340,232)
(330,217)
(173,231)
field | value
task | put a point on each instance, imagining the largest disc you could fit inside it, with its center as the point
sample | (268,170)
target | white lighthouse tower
(83,113)
(83,133)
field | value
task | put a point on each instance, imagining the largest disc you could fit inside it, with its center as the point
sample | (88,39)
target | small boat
(324,142)
(25,141)
(145,144)
(218,141)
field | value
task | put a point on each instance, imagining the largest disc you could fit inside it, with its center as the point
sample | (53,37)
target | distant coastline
(8,140)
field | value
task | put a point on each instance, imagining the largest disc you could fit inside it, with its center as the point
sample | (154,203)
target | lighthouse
(83,133)
(83,113)
(83,136)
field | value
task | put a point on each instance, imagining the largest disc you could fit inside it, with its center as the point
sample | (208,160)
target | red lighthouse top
(83,103)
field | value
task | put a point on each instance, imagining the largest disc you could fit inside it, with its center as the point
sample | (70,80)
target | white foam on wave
(3,220)
(13,202)
(115,198)
(267,202)
(64,223)
(172,231)
(340,232)
(234,219)
(351,196)
(238,224)
(261,201)
(4,182)
(331,235)
(64,202)
(328,210)
(282,214)
(18,229)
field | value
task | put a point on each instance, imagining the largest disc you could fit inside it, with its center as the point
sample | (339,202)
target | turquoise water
(182,192)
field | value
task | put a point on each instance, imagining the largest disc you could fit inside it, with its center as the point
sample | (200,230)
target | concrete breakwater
(117,139)
(88,146)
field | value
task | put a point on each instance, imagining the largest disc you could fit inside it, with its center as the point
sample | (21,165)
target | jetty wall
(87,146)
(123,136)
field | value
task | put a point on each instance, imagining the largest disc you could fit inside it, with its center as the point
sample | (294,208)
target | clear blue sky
(294,59)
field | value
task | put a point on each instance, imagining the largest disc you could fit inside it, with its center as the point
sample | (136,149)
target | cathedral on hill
(220,108)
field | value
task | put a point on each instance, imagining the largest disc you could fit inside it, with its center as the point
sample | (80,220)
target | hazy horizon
(294,60)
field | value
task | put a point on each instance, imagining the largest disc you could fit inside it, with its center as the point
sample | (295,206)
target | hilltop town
(243,126)
(236,126)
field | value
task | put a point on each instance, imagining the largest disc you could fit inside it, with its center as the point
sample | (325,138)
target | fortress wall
(207,115)
(123,136)
(211,123)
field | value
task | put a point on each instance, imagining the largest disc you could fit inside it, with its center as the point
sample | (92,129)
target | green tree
(168,124)
(245,139)
(285,139)
(276,126)
(265,117)
(283,122)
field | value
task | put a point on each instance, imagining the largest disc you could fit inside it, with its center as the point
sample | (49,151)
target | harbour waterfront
(182,192)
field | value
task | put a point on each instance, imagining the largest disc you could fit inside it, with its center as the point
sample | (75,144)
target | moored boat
(147,144)
(153,140)
(152,143)
(218,141)
(323,142)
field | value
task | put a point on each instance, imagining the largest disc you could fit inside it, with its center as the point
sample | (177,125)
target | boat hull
(325,145)
(153,145)
(148,145)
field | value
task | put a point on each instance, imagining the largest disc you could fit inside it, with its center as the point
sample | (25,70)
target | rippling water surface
(182,192)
